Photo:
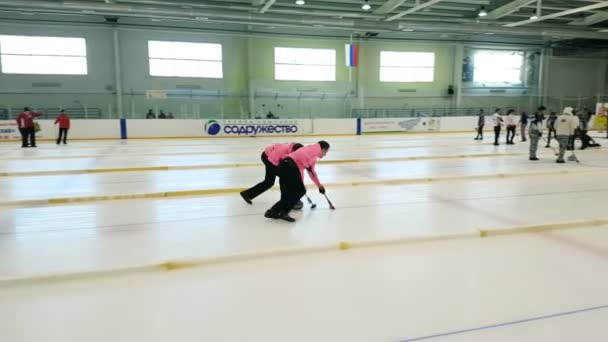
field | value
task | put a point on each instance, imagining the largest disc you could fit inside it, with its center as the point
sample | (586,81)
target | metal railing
(51,113)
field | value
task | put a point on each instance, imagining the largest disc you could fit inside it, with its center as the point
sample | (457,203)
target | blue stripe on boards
(123,128)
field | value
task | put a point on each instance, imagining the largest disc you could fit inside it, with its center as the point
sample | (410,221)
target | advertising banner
(397,125)
(9,130)
(252,127)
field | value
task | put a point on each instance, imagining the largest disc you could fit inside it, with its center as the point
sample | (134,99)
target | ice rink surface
(420,205)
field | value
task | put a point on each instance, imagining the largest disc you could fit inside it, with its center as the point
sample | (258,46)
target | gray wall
(248,85)
(19,90)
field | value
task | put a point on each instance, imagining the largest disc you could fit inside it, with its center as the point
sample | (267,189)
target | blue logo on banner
(213,127)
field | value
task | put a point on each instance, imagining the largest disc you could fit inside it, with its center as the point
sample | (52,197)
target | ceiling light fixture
(482,12)
(366,6)
(300,2)
(536,14)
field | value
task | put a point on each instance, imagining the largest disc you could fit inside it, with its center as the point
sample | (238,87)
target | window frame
(503,84)
(49,56)
(332,66)
(220,61)
(382,67)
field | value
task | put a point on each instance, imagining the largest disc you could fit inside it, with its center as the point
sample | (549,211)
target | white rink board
(393,125)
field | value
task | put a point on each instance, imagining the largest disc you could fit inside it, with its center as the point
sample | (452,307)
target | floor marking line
(223,152)
(220,191)
(342,207)
(239,165)
(177,264)
(498,325)
(580,246)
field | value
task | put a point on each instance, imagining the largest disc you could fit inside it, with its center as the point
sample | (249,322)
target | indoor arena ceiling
(557,20)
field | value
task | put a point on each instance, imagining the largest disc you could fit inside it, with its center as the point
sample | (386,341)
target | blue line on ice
(527,320)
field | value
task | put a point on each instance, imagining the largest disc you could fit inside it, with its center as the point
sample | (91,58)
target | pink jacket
(306,158)
(276,152)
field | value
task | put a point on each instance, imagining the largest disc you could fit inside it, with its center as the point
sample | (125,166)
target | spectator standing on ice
(64,126)
(25,122)
(535,131)
(540,113)
(523,121)
(565,125)
(551,128)
(497,121)
(481,121)
(511,122)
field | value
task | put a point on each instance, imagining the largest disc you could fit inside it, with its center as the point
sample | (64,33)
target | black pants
(28,134)
(267,183)
(496,134)
(572,139)
(63,132)
(479,132)
(292,186)
(510,134)
(585,139)
(549,136)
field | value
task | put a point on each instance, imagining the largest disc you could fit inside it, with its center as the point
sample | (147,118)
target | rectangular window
(43,55)
(498,67)
(407,66)
(181,59)
(294,64)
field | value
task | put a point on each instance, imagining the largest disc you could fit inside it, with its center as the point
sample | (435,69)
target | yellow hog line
(238,165)
(223,191)
(176,265)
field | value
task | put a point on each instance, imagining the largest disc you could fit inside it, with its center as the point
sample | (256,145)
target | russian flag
(352,55)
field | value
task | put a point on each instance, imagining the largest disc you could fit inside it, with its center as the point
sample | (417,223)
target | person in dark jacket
(551,128)
(481,121)
(523,121)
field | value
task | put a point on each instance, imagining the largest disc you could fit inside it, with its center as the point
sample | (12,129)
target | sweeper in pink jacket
(271,157)
(291,178)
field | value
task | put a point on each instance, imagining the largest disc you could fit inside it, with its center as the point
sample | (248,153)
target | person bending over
(291,178)
(271,157)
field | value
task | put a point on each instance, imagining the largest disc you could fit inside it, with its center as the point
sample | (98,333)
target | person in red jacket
(291,178)
(64,125)
(271,157)
(25,122)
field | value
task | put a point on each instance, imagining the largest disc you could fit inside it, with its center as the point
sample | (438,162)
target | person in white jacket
(564,128)
(497,122)
(511,122)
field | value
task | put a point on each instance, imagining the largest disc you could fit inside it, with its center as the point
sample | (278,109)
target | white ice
(402,292)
